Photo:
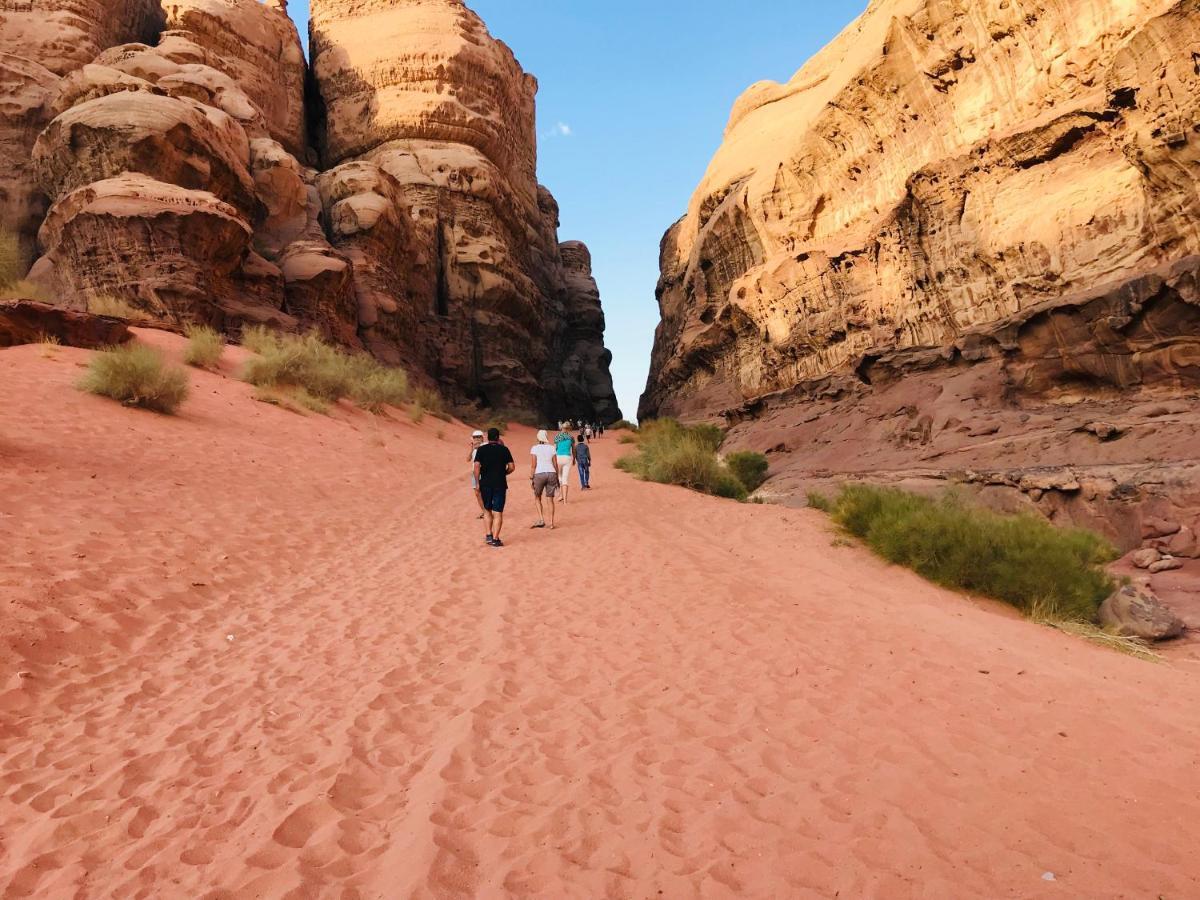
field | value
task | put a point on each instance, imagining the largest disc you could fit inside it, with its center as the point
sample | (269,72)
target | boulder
(1184,543)
(1137,612)
(1166,564)
(63,35)
(1145,558)
(31,321)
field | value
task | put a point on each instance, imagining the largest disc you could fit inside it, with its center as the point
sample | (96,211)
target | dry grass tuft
(325,372)
(205,347)
(49,344)
(115,307)
(136,375)
(1043,614)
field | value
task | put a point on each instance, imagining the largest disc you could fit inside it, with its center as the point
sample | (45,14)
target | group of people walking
(551,460)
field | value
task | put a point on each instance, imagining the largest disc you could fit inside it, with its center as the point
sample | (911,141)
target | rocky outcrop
(32,321)
(165,160)
(427,128)
(959,245)
(62,35)
(1136,612)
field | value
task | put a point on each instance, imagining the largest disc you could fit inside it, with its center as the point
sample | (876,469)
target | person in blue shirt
(564,448)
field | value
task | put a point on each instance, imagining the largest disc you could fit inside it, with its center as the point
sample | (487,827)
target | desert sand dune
(245,653)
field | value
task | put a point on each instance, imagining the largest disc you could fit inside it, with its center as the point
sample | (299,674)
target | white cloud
(560,130)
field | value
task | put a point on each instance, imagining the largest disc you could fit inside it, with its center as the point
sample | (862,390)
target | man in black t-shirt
(493,464)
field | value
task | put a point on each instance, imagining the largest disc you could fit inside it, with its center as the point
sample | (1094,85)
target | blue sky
(644,88)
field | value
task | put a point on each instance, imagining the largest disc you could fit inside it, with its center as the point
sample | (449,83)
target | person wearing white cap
(476,442)
(543,477)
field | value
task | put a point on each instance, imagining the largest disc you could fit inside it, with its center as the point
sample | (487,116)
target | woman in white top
(543,476)
(476,443)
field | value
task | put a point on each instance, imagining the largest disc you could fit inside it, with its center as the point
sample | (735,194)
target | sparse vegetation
(1056,573)
(622,425)
(817,500)
(1096,634)
(136,375)
(416,413)
(749,468)
(381,387)
(107,305)
(323,371)
(671,453)
(204,348)
(49,344)
(23,289)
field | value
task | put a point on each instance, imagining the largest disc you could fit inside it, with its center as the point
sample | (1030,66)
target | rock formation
(162,154)
(428,136)
(961,243)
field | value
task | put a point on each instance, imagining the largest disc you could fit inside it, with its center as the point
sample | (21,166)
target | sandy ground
(245,653)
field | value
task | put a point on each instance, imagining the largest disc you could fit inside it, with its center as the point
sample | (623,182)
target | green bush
(204,348)
(749,468)
(671,453)
(1021,560)
(136,375)
(323,371)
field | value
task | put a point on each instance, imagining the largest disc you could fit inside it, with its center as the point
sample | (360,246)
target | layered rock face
(958,219)
(427,132)
(162,154)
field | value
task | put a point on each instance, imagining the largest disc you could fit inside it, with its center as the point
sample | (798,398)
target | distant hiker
(564,446)
(601,429)
(583,459)
(476,443)
(543,475)
(587,432)
(493,464)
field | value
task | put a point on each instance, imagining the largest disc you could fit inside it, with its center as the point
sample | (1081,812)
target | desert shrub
(259,338)
(136,375)
(749,468)
(107,305)
(416,413)
(430,400)
(817,500)
(622,425)
(671,453)
(325,372)
(1021,560)
(204,347)
(374,389)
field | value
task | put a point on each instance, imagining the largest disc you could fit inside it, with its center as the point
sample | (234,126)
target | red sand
(247,653)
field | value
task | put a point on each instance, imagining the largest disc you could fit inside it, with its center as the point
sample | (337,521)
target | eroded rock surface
(960,245)
(172,168)
(428,133)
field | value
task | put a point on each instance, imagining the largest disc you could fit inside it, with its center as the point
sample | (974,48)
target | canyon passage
(258,648)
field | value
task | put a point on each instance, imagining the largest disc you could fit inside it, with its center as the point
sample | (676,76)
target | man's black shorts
(493,498)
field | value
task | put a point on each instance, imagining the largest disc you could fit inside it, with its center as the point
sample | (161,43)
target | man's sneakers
(493,541)
(489,539)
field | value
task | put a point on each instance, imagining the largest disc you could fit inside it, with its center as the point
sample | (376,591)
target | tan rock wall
(938,170)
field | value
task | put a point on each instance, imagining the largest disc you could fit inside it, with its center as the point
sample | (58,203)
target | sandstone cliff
(988,192)
(427,129)
(169,155)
